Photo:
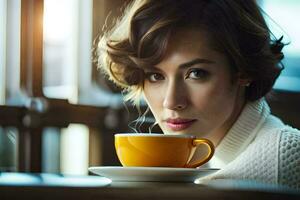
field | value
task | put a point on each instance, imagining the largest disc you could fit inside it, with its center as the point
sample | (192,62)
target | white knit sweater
(259,147)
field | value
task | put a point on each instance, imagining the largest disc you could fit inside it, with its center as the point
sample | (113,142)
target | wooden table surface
(86,188)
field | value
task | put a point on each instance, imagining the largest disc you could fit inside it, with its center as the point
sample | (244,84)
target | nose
(175,96)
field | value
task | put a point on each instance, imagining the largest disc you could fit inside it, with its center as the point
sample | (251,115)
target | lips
(179,124)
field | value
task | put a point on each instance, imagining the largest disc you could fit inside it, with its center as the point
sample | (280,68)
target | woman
(204,67)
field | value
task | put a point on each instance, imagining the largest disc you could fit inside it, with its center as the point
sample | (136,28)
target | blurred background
(58,114)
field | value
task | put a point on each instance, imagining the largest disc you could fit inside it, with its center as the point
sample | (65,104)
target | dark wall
(286,105)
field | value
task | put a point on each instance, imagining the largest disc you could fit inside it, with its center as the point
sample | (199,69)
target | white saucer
(146,174)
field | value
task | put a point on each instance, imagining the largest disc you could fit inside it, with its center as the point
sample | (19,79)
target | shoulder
(289,143)
(289,157)
(274,128)
(283,142)
(289,146)
(285,138)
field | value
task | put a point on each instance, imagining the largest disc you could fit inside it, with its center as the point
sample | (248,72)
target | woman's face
(192,90)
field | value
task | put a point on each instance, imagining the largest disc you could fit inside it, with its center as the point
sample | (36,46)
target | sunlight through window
(60,49)
(283,17)
(61,63)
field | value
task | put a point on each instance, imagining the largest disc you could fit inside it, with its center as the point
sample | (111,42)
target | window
(2,48)
(9,81)
(46,107)
(282,21)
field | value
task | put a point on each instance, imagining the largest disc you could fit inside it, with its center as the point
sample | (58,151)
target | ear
(244,80)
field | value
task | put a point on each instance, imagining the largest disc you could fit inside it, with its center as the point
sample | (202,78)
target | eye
(154,76)
(197,73)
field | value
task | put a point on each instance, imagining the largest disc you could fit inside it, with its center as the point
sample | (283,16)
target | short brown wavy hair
(237,28)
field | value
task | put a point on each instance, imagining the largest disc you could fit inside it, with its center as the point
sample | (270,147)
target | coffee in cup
(160,150)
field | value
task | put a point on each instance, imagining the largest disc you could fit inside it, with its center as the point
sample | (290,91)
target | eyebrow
(188,64)
(195,61)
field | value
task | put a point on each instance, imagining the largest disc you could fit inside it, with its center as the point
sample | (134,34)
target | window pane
(8,149)
(60,48)
(283,15)
(282,19)
(51,150)
(2,49)
(10,52)
(9,79)
(67,48)
(75,149)
(66,150)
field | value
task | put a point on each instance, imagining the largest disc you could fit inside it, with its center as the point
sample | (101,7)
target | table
(53,186)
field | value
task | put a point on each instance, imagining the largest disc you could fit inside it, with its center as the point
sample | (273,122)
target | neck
(217,135)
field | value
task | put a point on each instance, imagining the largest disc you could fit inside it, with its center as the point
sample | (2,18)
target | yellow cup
(160,150)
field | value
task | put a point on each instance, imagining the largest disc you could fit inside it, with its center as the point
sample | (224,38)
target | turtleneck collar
(241,133)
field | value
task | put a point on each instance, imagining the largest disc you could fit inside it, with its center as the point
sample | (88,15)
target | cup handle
(211,150)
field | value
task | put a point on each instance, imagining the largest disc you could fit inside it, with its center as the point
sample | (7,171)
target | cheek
(214,97)
(154,98)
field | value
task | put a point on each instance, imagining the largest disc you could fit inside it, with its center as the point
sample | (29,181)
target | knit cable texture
(289,158)
(273,155)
